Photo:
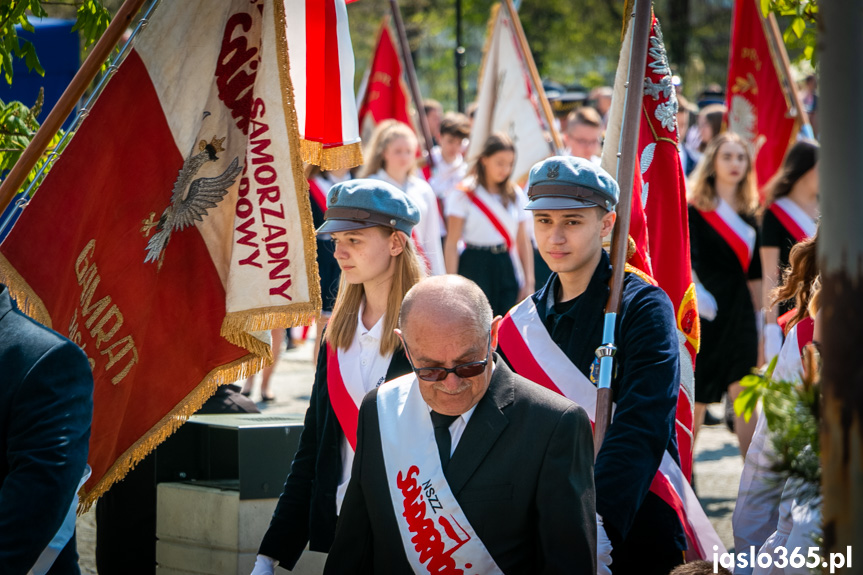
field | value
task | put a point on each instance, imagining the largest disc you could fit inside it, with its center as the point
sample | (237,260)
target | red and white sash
(793,218)
(489,212)
(739,235)
(543,362)
(347,408)
(317,194)
(435,532)
(492,217)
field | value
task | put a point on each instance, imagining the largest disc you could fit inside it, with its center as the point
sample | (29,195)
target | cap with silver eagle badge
(566,182)
(364,203)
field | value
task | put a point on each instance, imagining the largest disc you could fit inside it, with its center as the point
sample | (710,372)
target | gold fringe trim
(634,270)
(629,5)
(336,158)
(26,299)
(304,206)
(222,375)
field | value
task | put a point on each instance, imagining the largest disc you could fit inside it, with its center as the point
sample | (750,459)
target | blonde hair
(702,186)
(385,133)
(343,323)
(497,142)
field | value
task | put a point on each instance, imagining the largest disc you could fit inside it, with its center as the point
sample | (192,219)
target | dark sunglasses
(464,371)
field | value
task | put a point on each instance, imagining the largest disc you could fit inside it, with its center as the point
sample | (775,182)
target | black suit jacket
(306,512)
(46,405)
(522,472)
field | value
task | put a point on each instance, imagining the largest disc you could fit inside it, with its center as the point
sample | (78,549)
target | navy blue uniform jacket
(306,512)
(46,406)
(645,385)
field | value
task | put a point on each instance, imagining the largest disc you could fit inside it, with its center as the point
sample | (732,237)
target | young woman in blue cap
(370,223)
(487,212)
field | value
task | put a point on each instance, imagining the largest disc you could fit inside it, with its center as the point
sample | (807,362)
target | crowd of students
(467,216)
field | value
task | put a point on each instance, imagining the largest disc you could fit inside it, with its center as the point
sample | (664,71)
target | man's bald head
(449,299)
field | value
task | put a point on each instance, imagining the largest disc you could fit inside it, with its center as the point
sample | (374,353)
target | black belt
(498,249)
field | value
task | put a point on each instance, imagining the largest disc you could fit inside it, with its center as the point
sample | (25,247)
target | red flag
(175,227)
(760,107)
(386,95)
(663,198)
(322,73)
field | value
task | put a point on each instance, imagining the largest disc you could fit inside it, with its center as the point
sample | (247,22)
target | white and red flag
(659,233)
(175,229)
(510,98)
(322,72)
(762,106)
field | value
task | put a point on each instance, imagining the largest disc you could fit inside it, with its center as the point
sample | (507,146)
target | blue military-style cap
(364,203)
(566,182)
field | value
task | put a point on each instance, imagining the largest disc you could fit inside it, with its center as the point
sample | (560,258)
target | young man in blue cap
(552,336)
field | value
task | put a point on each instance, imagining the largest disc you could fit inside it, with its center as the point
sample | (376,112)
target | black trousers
(494,274)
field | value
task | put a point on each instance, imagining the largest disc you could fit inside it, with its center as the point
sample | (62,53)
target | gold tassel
(225,374)
(336,158)
(28,302)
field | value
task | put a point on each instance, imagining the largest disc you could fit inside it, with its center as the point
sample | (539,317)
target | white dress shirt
(427,231)
(363,369)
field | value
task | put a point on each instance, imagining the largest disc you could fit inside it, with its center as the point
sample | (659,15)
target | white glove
(264,565)
(707,307)
(772,341)
(603,549)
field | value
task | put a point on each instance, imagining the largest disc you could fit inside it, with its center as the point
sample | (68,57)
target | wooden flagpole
(783,66)
(74,91)
(534,75)
(408,61)
(643,16)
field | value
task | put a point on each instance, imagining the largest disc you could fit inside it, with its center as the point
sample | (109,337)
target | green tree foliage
(573,41)
(800,19)
(92,19)
(18,125)
(18,121)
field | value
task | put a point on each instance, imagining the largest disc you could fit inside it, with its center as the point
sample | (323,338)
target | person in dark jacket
(370,222)
(573,202)
(46,406)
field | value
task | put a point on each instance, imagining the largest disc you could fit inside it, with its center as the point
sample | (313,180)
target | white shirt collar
(376,332)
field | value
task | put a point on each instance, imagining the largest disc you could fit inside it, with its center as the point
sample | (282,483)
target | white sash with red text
(793,218)
(543,362)
(347,408)
(739,235)
(435,532)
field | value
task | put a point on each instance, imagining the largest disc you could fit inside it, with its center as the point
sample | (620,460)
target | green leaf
(799,26)
(765,8)
(28,52)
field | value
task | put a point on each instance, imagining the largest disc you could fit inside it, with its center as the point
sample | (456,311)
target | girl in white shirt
(488,215)
(370,223)
(391,156)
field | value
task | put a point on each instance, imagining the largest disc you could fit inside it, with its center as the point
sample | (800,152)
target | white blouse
(478,229)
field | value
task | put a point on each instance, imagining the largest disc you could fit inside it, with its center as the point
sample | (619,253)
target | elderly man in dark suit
(464,465)
(46,404)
